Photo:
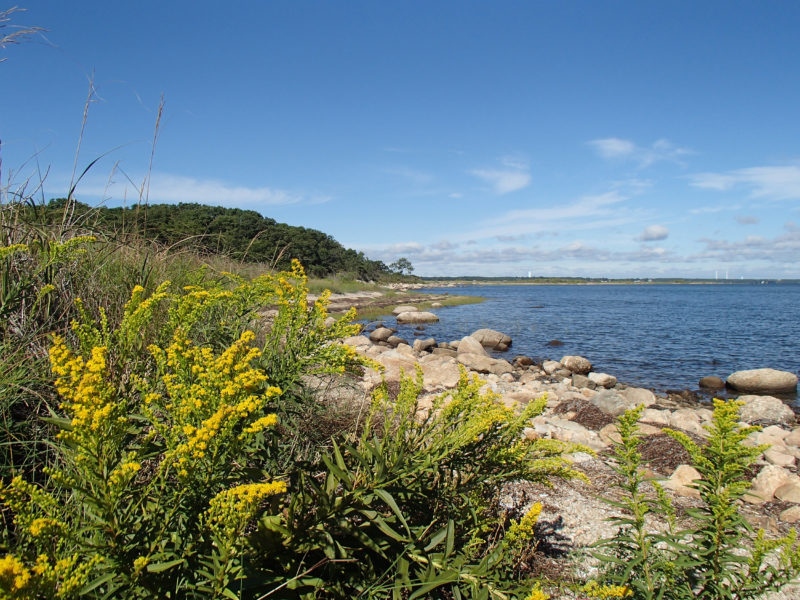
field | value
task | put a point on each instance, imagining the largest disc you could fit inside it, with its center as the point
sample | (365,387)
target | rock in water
(416,317)
(763,381)
(381,334)
(491,338)
(712,383)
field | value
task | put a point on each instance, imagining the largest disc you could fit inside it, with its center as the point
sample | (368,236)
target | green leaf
(388,499)
(164,566)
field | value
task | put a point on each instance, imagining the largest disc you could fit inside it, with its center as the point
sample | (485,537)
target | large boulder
(765,409)
(763,381)
(416,316)
(469,345)
(492,339)
(577,364)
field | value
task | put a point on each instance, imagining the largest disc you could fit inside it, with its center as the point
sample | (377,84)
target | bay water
(659,336)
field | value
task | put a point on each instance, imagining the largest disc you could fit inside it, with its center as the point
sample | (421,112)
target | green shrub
(718,557)
(181,473)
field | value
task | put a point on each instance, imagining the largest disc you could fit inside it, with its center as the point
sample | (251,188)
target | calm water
(656,336)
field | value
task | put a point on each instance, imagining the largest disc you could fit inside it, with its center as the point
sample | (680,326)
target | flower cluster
(606,592)
(231,510)
(88,397)
(522,532)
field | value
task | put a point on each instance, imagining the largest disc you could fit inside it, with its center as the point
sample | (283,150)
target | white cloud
(654,233)
(169,188)
(613,148)
(775,183)
(504,181)
(455,195)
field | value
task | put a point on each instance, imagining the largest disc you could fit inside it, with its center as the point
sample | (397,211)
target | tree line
(240,234)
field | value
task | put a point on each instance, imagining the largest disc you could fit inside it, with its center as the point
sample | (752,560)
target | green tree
(402,265)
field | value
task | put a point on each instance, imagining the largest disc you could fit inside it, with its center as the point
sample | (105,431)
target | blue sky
(492,138)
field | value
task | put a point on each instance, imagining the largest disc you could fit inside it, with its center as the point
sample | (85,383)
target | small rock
(381,334)
(551,366)
(680,480)
(395,340)
(793,439)
(445,352)
(603,380)
(776,457)
(769,479)
(554,343)
(789,492)
(610,402)
(522,361)
(712,383)
(424,345)
(790,515)
(577,364)
(582,381)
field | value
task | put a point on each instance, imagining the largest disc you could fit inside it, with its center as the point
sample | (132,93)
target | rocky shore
(582,406)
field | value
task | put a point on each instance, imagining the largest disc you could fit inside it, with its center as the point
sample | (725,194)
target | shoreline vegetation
(183,424)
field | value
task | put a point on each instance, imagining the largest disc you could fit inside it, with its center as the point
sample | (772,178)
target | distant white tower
(529,274)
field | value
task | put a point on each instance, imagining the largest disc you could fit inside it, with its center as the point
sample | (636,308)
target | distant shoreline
(559,281)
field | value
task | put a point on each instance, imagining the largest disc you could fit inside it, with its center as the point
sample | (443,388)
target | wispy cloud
(654,233)
(782,248)
(747,220)
(503,182)
(513,176)
(169,188)
(613,148)
(774,183)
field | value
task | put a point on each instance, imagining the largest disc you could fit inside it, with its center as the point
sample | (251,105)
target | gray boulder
(763,381)
(417,316)
(577,364)
(492,339)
